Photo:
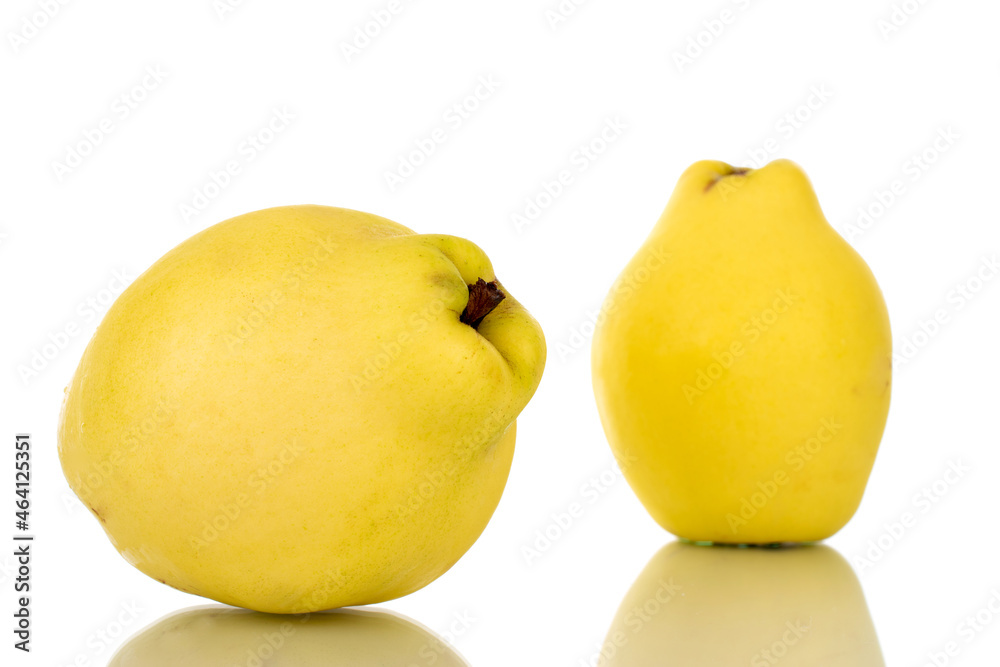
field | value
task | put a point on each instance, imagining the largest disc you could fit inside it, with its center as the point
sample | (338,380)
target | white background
(886,97)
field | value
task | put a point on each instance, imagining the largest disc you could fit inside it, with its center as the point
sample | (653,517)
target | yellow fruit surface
(286,413)
(742,362)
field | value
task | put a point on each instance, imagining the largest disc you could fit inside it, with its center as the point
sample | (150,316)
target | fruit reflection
(708,606)
(216,636)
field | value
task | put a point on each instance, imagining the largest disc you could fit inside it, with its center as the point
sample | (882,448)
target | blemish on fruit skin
(738,171)
(446,280)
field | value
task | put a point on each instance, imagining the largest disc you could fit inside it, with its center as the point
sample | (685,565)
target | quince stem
(483,298)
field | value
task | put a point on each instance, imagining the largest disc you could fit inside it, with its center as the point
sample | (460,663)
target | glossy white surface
(519,597)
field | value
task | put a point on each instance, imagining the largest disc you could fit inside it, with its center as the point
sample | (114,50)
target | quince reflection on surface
(216,636)
(699,606)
